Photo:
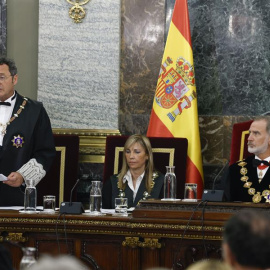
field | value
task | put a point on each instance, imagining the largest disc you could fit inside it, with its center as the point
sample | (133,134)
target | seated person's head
(209,265)
(247,240)
(138,157)
(259,137)
(137,154)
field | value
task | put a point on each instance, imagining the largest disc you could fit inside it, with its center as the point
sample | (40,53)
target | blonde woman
(137,179)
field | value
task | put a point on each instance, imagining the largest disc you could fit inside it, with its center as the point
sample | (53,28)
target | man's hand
(14,180)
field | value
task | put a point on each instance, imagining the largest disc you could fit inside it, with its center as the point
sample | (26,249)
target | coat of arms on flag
(173,86)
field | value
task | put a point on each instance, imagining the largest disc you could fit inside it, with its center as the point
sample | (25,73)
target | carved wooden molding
(92,142)
(14,237)
(134,242)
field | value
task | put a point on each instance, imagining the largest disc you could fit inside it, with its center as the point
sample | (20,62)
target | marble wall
(3,27)
(78,64)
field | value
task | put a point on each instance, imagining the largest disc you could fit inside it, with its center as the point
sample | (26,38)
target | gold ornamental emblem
(251,191)
(18,141)
(77,13)
(243,171)
(247,184)
(242,163)
(244,178)
(265,193)
(257,197)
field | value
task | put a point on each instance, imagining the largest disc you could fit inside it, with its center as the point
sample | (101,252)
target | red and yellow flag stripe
(175,110)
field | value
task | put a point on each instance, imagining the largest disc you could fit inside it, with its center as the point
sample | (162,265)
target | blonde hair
(149,165)
(209,265)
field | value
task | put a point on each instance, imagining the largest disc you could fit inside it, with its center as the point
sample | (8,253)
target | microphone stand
(214,195)
(72,208)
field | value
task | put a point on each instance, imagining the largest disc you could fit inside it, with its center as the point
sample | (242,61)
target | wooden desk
(155,234)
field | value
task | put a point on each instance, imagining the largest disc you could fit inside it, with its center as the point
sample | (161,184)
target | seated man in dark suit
(246,244)
(249,179)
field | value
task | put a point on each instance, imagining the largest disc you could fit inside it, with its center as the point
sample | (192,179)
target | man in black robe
(27,145)
(249,179)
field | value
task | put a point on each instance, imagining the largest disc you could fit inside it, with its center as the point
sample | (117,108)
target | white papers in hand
(2,177)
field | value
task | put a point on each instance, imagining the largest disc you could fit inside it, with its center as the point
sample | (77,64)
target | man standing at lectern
(249,179)
(26,141)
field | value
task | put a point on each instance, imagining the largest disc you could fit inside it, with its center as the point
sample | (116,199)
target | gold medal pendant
(243,171)
(265,192)
(251,191)
(257,197)
(247,185)
(244,178)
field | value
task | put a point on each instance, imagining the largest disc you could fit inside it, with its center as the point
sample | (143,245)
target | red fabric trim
(238,128)
(156,128)
(180,18)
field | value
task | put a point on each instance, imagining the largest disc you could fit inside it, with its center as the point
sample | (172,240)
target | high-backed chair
(166,151)
(63,173)
(240,134)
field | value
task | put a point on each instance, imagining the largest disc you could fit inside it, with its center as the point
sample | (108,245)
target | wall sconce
(76,12)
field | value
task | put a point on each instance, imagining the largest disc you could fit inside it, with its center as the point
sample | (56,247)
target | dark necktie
(257,162)
(5,103)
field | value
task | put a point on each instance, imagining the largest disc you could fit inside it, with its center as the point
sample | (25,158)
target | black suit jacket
(5,259)
(234,190)
(33,125)
(110,191)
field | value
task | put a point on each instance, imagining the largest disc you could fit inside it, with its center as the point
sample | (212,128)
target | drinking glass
(49,204)
(190,192)
(28,258)
(121,206)
(95,198)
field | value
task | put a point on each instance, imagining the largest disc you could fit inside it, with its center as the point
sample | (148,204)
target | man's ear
(227,255)
(15,79)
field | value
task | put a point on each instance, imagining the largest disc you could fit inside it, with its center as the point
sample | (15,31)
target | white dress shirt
(262,173)
(5,115)
(128,178)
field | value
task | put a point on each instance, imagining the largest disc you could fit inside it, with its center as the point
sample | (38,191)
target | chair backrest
(240,134)
(63,173)
(166,151)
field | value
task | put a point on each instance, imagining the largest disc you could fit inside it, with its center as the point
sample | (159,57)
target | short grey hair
(266,119)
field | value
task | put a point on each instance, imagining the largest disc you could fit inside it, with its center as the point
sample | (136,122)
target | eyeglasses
(3,77)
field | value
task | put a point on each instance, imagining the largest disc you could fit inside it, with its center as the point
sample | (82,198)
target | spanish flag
(175,111)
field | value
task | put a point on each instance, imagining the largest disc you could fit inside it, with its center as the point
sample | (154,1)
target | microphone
(73,208)
(70,200)
(214,195)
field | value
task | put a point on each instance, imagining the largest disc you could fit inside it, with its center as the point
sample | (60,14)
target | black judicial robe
(111,191)
(234,190)
(33,125)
